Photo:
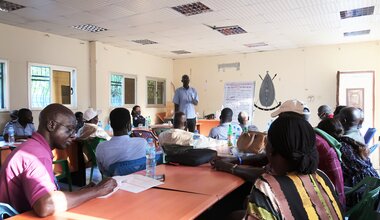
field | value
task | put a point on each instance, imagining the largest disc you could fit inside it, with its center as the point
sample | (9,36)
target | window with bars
(2,84)
(156,92)
(123,90)
(51,84)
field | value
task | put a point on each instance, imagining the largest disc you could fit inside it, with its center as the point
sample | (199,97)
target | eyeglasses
(70,131)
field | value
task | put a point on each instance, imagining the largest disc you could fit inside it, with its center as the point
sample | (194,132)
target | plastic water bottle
(150,159)
(11,134)
(148,122)
(196,138)
(229,136)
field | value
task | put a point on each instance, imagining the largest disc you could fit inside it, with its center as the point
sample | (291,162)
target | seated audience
(329,161)
(90,128)
(80,120)
(337,110)
(220,132)
(179,136)
(355,163)
(324,111)
(292,187)
(243,119)
(137,117)
(122,154)
(23,126)
(351,119)
(26,178)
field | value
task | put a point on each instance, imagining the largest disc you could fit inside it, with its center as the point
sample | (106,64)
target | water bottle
(229,136)
(147,122)
(196,138)
(100,124)
(150,159)
(11,134)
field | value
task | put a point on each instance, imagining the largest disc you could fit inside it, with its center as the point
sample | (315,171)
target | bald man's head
(350,117)
(57,124)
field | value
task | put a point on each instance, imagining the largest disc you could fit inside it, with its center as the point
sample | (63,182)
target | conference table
(186,193)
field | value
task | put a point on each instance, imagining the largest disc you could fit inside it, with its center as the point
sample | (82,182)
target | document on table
(133,183)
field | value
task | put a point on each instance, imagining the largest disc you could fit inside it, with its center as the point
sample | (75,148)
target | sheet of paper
(136,183)
(133,183)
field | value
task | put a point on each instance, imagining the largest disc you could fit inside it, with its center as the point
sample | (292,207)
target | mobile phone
(160,177)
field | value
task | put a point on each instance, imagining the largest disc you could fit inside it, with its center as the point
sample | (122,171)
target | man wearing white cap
(292,106)
(90,128)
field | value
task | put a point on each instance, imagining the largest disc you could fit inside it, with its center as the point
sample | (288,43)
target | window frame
(73,83)
(124,75)
(5,85)
(157,79)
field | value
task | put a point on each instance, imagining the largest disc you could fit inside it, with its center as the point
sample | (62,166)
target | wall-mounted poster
(355,97)
(239,97)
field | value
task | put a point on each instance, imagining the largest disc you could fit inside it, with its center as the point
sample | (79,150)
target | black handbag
(189,157)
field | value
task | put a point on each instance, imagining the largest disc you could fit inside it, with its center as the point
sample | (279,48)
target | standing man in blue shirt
(184,100)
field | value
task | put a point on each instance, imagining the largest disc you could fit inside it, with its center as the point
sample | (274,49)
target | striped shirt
(294,197)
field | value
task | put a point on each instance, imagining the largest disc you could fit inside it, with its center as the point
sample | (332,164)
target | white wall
(20,46)
(306,74)
(111,59)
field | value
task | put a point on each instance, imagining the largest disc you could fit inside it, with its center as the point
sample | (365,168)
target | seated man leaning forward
(179,136)
(221,131)
(90,127)
(122,154)
(26,178)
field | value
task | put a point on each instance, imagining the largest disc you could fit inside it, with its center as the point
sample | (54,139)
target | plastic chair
(7,211)
(65,172)
(369,135)
(367,207)
(146,134)
(158,131)
(91,145)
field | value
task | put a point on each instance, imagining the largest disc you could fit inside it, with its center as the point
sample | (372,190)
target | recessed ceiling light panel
(192,8)
(9,6)
(144,42)
(180,52)
(357,12)
(356,33)
(90,28)
(230,30)
(260,44)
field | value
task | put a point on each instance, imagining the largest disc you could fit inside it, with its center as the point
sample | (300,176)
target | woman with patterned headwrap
(292,187)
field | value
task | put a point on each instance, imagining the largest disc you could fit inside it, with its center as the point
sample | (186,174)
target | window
(3,85)
(123,90)
(156,92)
(51,84)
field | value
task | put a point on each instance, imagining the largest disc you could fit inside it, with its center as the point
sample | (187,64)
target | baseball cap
(292,105)
(90,114)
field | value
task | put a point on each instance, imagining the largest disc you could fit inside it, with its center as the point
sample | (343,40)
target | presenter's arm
(58,201)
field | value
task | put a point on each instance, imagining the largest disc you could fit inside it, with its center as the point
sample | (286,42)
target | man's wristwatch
(233,168)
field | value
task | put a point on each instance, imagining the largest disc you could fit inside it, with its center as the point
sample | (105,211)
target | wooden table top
(150,204)
(203,185)
(201,179)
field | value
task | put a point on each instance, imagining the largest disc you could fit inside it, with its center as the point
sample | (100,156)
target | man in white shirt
(90,128)
(122,154)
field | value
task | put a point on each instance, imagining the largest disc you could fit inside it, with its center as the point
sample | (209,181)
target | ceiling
(281,24)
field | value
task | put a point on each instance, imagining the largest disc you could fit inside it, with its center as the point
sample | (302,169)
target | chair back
(158,131)
(91,145)
(368,206)
(7,211)
(146,134)
(369,135)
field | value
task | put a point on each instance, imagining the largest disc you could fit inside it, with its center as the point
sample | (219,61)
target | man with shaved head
(351,119)
(27,180)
